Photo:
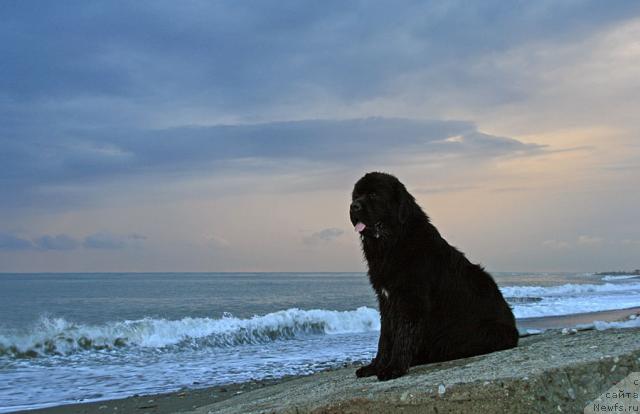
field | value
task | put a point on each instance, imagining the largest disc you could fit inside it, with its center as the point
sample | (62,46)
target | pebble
(441,389)
(571,393)
(406,396)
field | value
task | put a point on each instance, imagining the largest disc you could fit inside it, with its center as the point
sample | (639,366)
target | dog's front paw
(366,371)
(390,372)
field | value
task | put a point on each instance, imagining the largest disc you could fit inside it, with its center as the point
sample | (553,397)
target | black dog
(435,305)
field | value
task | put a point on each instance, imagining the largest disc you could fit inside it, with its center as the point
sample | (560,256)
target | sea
(73,337)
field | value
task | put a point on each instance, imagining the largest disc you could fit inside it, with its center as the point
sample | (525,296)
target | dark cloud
(100,240)
(58,242)
(114,63)
(80,81)
(11,242)
(323,236)
(35,167)
(241,54)
(106,240)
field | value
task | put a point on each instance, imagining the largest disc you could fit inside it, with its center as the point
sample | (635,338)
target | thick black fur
(435,305)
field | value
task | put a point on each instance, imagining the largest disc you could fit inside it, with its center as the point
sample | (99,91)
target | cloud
(11,242)
(136,104)
(239,55)
(556,244)
(96,104)
(512,189)
(58,242)
(323,236)
(590,241)
(444,189)
(630,242)
(100,240)
(38,169)
(217,242)
(581,241)
(110,241)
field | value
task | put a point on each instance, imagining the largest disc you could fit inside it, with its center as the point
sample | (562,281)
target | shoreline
(185,399)
(189,399)
(573,320)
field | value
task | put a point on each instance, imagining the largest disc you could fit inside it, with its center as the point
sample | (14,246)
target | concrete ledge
(551,372)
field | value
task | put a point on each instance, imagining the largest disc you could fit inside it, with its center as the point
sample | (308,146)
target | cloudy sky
(226,136)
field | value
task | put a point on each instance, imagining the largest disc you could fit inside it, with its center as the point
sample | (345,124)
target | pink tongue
(359,227)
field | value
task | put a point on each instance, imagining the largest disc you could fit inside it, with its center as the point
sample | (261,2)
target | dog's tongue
(359,227)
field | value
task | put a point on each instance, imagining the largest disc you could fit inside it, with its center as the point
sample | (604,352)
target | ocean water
(81,337)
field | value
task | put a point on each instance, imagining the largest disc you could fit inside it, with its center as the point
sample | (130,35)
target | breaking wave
(569,289)
(57,336)
(518,300)
(619,277)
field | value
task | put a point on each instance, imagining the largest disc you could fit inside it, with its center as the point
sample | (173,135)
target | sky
(227,136)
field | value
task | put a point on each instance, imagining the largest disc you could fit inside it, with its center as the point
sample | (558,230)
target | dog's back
(466,313)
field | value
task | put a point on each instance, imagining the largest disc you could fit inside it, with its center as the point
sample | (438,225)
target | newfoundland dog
(435,305)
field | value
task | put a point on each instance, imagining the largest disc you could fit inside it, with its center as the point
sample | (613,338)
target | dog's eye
(373,195)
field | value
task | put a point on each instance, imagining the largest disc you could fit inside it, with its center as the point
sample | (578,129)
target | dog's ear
(406,203)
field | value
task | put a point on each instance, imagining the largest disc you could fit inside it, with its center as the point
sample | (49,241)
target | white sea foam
(619,277)
(571,298)
(570,307)
(631,323)
(568,289)
(59,336)
(62,337)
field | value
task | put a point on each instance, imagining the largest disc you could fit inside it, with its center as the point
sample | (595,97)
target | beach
(232,207)
(550,356)
(166,342)
(165,403)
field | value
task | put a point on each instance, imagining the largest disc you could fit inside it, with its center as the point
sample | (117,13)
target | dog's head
(380,204)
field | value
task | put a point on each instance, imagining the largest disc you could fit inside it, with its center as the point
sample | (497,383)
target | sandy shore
(569,321)
(172,402)
(242,395)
